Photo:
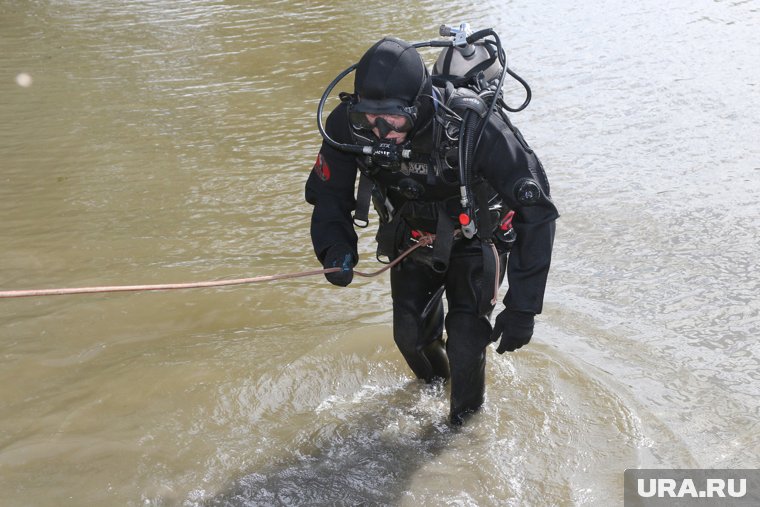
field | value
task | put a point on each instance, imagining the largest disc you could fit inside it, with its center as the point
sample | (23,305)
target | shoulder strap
(363,197)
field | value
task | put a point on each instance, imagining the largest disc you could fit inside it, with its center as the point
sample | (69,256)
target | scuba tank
(459,64)
(471,72)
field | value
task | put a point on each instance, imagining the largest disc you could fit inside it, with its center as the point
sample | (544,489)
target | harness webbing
(363,197)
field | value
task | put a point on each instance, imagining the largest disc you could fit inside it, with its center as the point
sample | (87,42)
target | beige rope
(424,241)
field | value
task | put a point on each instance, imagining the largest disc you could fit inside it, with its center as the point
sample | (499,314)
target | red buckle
(506,222)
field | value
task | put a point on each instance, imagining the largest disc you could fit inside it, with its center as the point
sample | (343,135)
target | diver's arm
(330,189)
(508,159)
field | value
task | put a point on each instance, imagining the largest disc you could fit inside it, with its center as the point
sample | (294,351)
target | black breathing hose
(467,133)
(351,148)
(528,94)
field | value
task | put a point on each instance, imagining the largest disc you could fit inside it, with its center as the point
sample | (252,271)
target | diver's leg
(468,331)
(418,319)
(468,337)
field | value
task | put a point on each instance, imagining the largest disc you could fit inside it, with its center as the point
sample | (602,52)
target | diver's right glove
(514,328)
(340,256)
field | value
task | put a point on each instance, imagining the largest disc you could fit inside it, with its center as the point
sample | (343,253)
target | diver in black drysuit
(391,79)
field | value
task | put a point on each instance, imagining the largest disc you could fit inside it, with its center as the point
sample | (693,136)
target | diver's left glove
(514,328)
(340,256)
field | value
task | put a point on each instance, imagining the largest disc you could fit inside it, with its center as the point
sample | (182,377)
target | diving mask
(384,123)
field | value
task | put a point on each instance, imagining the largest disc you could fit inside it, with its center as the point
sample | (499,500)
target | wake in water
(346,425)
(366,452)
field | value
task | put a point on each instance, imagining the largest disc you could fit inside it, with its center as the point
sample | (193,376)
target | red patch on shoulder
(321,168)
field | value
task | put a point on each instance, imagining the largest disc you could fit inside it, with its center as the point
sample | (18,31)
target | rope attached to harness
(425,241)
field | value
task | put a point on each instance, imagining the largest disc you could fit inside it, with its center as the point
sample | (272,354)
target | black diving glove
(340,256)
(514,328)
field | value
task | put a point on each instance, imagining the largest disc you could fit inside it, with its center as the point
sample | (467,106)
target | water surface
(169,142)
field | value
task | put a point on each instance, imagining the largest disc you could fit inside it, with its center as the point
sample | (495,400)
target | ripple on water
(361,430)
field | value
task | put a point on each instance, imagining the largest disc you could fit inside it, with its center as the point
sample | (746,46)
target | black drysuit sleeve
(330,189)
(503,158)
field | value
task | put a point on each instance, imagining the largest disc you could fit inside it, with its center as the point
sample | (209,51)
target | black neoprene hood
(391,74)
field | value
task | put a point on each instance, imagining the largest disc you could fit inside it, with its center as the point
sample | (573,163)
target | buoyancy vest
(422,196)
(426,184)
